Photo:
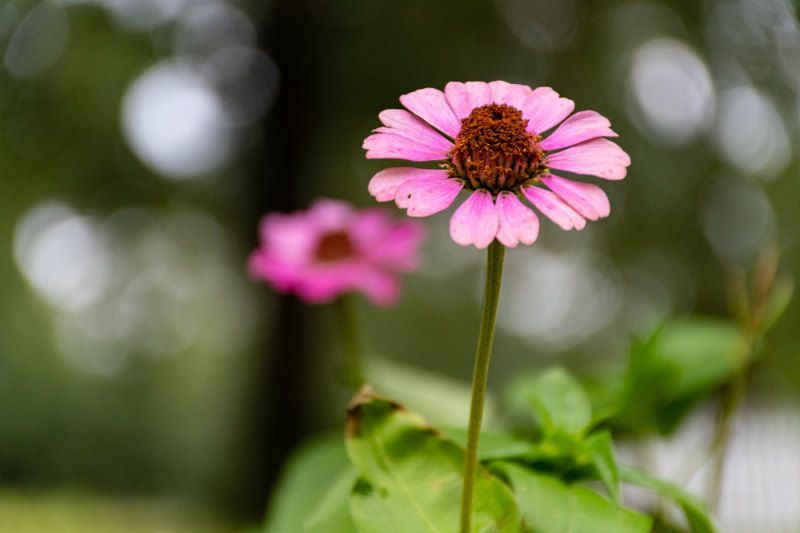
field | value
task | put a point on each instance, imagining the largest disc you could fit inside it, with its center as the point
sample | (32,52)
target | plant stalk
(752,326)
(353,345)
(491,297)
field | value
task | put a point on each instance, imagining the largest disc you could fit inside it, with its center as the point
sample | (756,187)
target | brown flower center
(493,150)
(334,247)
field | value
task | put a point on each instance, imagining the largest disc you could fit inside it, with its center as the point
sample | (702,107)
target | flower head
(332,248)
(491,139)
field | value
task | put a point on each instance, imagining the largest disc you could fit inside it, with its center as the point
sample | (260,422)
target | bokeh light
(175,122)
(38,40)
(673,92)
(750,134)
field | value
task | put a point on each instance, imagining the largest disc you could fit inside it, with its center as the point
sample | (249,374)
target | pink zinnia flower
(493,146)
(333,248)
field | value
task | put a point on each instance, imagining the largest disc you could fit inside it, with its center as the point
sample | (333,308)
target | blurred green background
(144,378)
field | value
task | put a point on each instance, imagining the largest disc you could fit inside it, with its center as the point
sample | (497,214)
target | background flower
(332,248)
(497,152)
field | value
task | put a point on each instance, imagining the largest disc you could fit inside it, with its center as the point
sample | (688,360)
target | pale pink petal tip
(475,221)
(587,199)
(596,157)
(383,145)
(431,105)
(384,184)
(554,208)
(511,94)
(580,127)
(543,109)
(464,97)
(406,124)
(517,223)
(422,198)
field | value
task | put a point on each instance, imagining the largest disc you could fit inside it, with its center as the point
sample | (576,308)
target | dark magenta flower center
(334,247)
(494,151)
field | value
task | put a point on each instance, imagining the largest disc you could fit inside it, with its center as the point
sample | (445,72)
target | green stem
(730,400)
(756,302)
(352,341)
(491,297)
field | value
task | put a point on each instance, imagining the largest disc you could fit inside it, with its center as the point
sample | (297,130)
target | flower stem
(756,302)
(491,297)
(352,341)
(731,398)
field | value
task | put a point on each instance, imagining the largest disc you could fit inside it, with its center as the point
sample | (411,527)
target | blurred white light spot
(247,80)
(83,341)
(750,134)
(672,89)
(38,41)
(543,25)
(62,255)
(207,28)
(175,122)
(737,220)
(556,298)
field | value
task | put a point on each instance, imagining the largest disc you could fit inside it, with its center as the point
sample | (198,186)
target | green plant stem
(756,303)
(730,399)
(491,297)
(353,347)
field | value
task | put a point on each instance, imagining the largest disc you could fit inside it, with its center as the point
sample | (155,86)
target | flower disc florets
(334,247)
(493,150)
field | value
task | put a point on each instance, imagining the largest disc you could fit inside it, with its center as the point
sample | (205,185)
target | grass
(64,512)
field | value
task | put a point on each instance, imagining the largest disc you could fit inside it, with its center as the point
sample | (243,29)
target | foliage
(411,475)
(407,473)
(677,367)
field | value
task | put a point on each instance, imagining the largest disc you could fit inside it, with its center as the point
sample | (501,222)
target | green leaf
(695,510)
(549,505)
(680,365)
(439,398)
(495,445)
(601,449)
(559,400)
(411,476)
(313,493)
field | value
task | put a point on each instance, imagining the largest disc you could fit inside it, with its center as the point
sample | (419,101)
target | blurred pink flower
(333,248)
(493,146)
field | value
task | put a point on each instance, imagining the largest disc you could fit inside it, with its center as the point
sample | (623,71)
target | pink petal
(422,198)
(464,97)
(384,184)
(401,122)
(319,283)
(475,221)
(289,234)
(598,157)
(517,222)
(390,146)
(328,214)
(509,93)
(398,250)
(587,199)
(431,105)
(580,127)
(381,288)
(544,109)
(553,207)
(382,241)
